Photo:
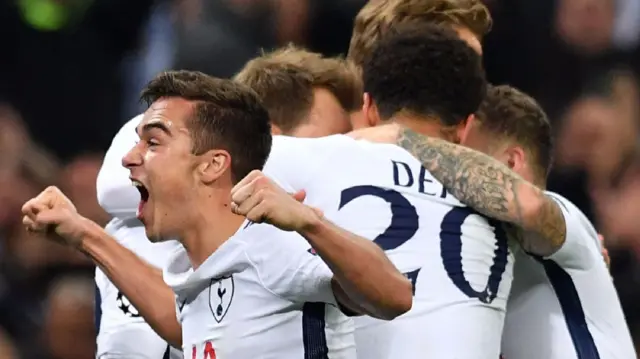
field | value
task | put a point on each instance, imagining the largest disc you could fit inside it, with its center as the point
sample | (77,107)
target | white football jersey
(565,306)
(260,295)
(458,261)
(122,333)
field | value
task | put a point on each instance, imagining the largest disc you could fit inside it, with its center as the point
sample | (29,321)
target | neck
(426,126)
(539,182)
(212,223)
(529,175)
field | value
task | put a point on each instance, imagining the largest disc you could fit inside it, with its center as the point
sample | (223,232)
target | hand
(380,134)
(52,212)
(260,200)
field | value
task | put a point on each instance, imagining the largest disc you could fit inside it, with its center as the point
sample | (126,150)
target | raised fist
(261,200)
(52,212)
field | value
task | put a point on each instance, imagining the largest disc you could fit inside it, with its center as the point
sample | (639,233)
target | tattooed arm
(492,189)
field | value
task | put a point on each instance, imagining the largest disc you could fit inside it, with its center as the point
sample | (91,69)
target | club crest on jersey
(221,292)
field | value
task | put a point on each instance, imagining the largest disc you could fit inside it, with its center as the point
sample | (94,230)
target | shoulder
(274,253)
(266,243)
(581,248)
(294,147)
(575,218)
(294,162)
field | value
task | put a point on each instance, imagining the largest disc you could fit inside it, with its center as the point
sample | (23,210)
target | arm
(362,273)
(364,281)
(141,283)
(492,189)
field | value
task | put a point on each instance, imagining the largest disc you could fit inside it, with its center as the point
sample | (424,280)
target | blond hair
(376,17)
(285,79)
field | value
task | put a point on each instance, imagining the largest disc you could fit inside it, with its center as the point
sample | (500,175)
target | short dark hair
(286,78)
(509,113)
(427,70)
(227,115)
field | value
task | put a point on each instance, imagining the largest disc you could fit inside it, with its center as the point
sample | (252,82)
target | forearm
(491,188)
(140,282)
(361,269)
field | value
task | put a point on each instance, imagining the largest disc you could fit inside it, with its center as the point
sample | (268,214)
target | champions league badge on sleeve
(126,307)
(221,292)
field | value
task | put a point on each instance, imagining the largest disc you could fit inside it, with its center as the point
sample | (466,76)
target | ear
(213,164)
(275,130)
(360,119)
(464,128)
(516,159)
(371,116)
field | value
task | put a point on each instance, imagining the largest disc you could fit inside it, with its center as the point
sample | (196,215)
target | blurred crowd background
(70,72)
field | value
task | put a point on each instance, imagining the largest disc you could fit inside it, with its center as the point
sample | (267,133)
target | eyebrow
(151,125)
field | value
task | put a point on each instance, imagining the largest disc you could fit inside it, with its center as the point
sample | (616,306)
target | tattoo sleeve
(491,188)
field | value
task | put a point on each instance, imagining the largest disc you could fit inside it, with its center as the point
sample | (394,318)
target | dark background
(70,71)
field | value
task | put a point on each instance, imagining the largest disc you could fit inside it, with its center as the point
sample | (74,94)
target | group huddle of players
(425,232)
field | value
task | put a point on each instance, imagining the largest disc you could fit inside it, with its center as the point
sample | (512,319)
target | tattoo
(491,188)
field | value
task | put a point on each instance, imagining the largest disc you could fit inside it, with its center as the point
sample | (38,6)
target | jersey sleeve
(288,268)
(135,340)
(116,195)
(581,246)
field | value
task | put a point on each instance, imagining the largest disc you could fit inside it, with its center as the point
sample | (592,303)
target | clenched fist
(261,200)
(52,212)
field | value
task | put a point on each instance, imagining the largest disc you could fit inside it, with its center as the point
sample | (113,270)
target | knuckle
(263,181)
(261,194)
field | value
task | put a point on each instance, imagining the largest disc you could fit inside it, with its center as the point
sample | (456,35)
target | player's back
(461,271)
(565,306)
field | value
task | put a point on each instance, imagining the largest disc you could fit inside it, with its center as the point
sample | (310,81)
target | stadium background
(70,71)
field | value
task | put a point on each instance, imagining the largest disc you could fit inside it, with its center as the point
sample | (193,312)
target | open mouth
(144,195)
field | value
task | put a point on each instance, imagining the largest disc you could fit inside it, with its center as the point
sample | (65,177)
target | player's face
(326,117)
(162,168)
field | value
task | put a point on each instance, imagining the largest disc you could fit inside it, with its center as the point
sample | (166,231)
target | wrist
(88,235)
(312,220)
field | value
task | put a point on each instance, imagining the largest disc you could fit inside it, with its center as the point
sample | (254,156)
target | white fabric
(566,304)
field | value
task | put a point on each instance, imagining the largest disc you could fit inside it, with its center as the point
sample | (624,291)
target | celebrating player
(561,285)
(239,284)
(563,303)
(292,76)
(319,91)
(387,175)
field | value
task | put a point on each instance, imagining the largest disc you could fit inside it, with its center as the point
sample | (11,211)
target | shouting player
(563,303)
(380,192)
(319,91)
(295,80)
(238,285)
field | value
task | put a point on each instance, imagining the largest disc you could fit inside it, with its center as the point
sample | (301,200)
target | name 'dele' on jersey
(405,223)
